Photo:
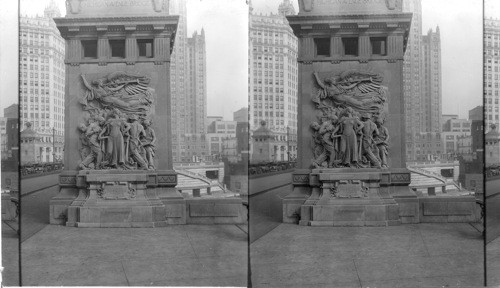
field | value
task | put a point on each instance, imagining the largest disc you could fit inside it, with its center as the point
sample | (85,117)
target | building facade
(241,115)
(273,75)
(412,78)
(41,80)
(491,72)
(188,89)
(431,97)
(422,89)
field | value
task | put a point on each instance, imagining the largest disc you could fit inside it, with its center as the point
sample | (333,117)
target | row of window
(117,47)
(350,46)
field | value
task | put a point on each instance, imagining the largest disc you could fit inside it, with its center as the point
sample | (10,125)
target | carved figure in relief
(125,92)
(149,143)
(84,147)
(350,127)
(135,132)
(382,142)
(343,138)
(361,91)
(112,136)
(114,130)
(367,144)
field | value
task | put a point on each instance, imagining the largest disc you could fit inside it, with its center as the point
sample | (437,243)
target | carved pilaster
(75,50)
(162,48)
(131,49)
(337,47)
(102,48)
(364,47)
(307,47)
(395,45)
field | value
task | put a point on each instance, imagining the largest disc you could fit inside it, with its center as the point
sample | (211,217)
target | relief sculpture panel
(350,130)
(116,132)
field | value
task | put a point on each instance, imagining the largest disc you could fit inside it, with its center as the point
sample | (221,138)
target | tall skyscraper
(422,89)
(41,80)
(188,90)
(197,84)
(273,76)
(491,72)
(431,96)
(412,75)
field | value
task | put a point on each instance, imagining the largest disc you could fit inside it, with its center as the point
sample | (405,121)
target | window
(145,47)
(89,48)
(322,46)
(117,48)
(379,45)
(350,46)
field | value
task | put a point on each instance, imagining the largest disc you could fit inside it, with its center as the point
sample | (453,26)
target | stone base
(350,212)
(216,211)
(349,198)
(113,198)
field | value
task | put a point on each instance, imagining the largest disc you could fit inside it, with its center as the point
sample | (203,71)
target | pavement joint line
(425,244)
(124,273)
(357,273)
(191,244)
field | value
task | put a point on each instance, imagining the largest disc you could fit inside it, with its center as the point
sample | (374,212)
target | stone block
(175,210)
(116,215)
(305,214)
(142,214)
(323,213)
(201,209)
(227,210)
(142,224)
(291,211)
(393,212)
(89,215)
(58,214)
(434,208)
(461,208)
(348,213)
(375,213)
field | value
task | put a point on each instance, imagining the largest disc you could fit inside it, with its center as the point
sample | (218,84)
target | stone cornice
(117,24)
(329,22)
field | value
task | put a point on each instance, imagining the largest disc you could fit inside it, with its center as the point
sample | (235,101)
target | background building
(491,72)
(241,115)
(188,90)
(422,89)
(431,92)
(41,80)
(412,78)
(273,74)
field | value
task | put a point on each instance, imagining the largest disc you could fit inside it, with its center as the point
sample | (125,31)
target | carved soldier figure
(382,141)
(369,131)
(149,143)
(328,130)
(350,126)
(136,131)
(116,127)
(92,132)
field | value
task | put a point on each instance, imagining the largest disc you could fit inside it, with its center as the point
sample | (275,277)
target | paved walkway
(182,255)
(421,255)
(10,255)
(493,263)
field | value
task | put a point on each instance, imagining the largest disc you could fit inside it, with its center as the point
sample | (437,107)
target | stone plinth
(349,198)
(122,199)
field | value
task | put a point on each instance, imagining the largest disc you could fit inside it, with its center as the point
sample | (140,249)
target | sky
(460,24)
(226,48)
